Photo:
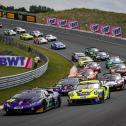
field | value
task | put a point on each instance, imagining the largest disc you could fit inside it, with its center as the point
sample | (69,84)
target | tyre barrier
(15,80)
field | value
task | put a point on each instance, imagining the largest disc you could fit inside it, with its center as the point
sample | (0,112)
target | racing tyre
(101,99)
(123,86)
(44,104)
(109,95)
(71,102)
(58,103)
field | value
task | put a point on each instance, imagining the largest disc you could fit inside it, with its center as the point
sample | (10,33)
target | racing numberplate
(82,97)
(18,107)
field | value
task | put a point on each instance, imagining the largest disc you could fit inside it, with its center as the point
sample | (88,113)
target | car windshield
(88,86)
(94,49)
(116,60)
(102,53)
(92,64)
(120,67)
(59,43)
(112,77)
(80,54)
(85,58)
(87,72)
(11,31)
(68,81)
(27,95)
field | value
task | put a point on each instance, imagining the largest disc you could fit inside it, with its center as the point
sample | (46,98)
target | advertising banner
(73,24)
(10,15)
(62,23)
(31,18)
(69,24)
(16,61)
(117,32)
(106,29)
(51,21)
(95,28)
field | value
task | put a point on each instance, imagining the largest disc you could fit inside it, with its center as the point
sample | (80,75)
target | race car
(93,66)
(9,32)
(26,36)
(113,60)
(89,91)
(66,85)
(36,33)
(40,40)
(100,56)
(19,30)
(77,55)
(87,74)
(1,25)
(32,101)
(118,68)
(58,45)
(90,51)
(114,81)
(50,38)
(84,60)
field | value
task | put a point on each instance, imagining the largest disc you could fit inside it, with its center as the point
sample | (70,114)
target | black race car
(100,56)
(90,51)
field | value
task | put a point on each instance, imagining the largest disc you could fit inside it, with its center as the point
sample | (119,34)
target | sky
(107,5)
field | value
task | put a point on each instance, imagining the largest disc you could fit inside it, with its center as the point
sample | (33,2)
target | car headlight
(71,94)
(96,92)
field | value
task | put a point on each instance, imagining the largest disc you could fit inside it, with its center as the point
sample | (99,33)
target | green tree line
(32,9)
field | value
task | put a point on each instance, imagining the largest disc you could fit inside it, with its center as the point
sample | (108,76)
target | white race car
(40,40)
(19,30)
(36,33)
(50,37)
(9,32)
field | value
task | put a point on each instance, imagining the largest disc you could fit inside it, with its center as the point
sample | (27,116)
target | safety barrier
(14,80)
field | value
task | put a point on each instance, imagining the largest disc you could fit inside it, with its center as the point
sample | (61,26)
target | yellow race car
(26,36)
(84,60)
(90,91)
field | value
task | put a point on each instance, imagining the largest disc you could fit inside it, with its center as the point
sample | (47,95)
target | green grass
(87,16)
(57,69)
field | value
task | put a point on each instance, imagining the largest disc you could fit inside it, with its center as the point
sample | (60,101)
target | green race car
(26,36)
(112,61)
(89,91)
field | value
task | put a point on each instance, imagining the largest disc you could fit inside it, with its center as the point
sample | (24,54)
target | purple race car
(32,101)
(66,85)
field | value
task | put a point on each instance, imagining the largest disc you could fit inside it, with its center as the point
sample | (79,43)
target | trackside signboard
(64,23)
(16,61)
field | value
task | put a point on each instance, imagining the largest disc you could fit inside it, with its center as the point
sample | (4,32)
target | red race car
(93,66)
(118,68)
(87,74)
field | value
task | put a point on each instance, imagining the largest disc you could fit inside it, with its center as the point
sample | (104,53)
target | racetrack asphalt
(110,113)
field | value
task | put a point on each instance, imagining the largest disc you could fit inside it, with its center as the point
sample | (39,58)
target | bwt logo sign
(74,24)
(106,29)
(53,21)
(95,27)
(63,23)
(17,61)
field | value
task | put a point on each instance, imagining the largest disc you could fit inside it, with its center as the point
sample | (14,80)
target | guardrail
(11,81)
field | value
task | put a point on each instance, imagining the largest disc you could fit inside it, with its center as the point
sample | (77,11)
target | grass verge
(57,69)
(87,16)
